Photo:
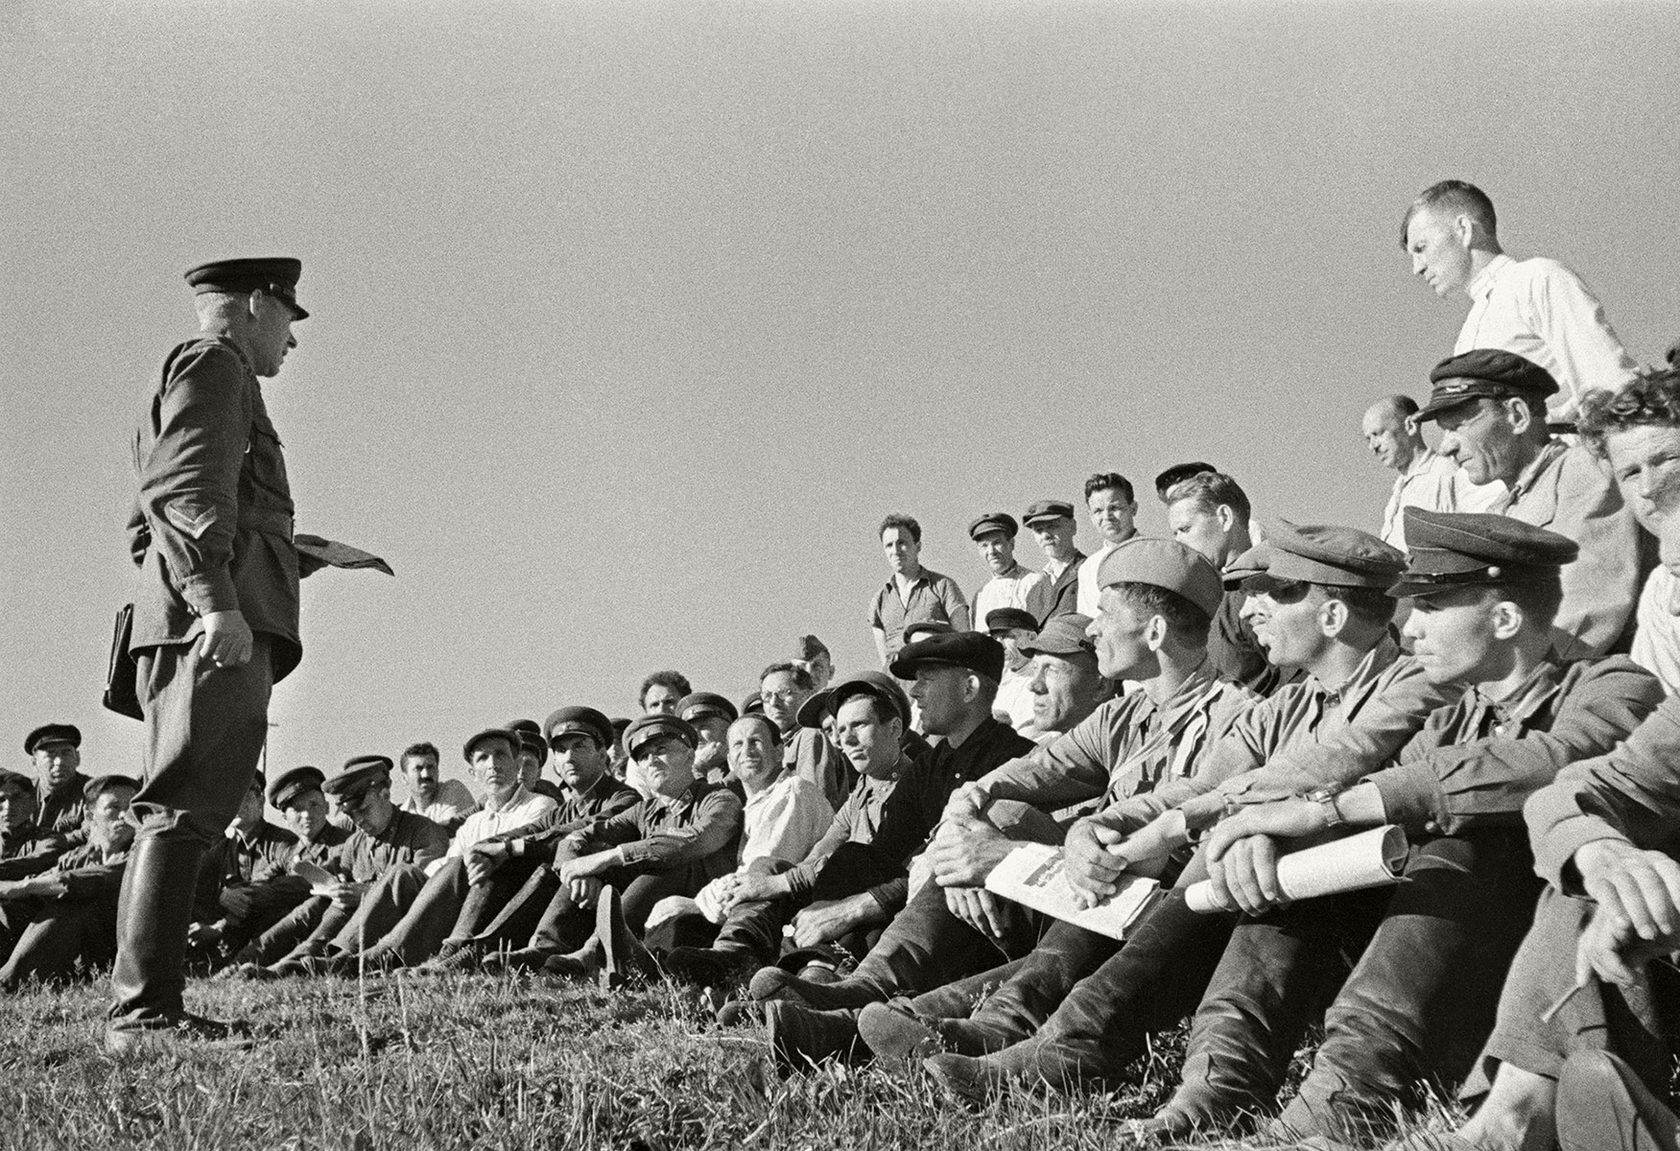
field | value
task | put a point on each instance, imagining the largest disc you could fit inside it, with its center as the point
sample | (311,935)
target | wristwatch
(1325,797)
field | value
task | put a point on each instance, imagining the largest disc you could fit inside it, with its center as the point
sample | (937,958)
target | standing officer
(215,618)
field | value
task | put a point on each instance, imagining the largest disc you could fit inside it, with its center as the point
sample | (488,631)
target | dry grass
(489,1063)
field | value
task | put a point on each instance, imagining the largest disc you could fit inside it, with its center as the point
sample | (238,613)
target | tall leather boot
(153,914)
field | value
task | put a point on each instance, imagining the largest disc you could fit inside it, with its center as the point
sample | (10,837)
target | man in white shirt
(1537,308)
(446,802)
(1012,585)
(1113,508)
(508,803)
(1427,479)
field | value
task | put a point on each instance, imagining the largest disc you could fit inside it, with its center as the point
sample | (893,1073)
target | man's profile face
(270,334)
(1199,529)
(661,698)
(1646,463)
(578,760)
(1480,437)
(1060,684)
(1439,249)
(997,550)
(1112,514)
(903,550)
(1452,634)
(666,763)
(1054,536)
(1283,614)
(306,814)
(1388,436)
(496,765)
(1118,630)
(1012,638)
(421,771)
(56,763)
(940,691)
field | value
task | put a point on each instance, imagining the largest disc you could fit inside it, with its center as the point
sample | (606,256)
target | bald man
(1427,479)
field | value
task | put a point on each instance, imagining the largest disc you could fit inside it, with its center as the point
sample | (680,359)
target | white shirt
(522,807)
(1544,312)
(1656,636)
(1435,483)
(451,802)
(784,821)
(1086,600)
(1015,698)
(1018,587)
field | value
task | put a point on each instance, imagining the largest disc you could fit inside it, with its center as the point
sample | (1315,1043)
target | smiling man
(1536,308)
(1113,509)
(1491,408)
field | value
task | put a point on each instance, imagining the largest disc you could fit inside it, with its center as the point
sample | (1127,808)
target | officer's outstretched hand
(227,638)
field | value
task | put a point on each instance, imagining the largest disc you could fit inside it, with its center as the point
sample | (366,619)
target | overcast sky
(630,321)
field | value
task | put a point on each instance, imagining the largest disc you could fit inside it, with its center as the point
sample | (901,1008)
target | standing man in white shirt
(1113,507)
(1012,585)
(1536,307)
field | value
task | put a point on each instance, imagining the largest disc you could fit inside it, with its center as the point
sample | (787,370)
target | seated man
(670,844)
(1013,627)
(446,802)
(75,922)
(1210,512)
(1064,679)
(390,846)
(243,885)
(783,688)
(419,921)
(55,749)
(19,836)
(710,715)
(1429,955)
(532,753)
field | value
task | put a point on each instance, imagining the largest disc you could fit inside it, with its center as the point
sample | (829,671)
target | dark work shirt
(573,812)
(697,829)
(1063,591)
(60,813)
(258,861)
(408,838)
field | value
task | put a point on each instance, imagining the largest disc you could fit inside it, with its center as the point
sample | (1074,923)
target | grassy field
(481,1062)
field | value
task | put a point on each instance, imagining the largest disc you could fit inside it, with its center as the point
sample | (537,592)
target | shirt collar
(1376,661)
(1191,695)
(519,796)
(1482,284)
(1529,696)
(1527,477)
(1421,462)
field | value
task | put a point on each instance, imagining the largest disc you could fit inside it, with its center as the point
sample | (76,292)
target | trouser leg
(926,946)
(372,919)
(419,920)
(205,727)
(1422,998)
(523,915)
(52,946)
(755,927)
(480,902)
(293,930)
(1062,958)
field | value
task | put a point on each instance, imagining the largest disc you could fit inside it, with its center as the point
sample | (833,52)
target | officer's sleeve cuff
(210,592)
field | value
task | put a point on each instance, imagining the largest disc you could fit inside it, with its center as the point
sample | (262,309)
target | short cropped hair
(1403,404)
(423,749)
(769,725)
(900,520)
(1367,605)
(801,677)
(1210,490)
(1177,474)
(675,680)
(1538,598)
(1184,619)
(1456,196)
(1650,399)
(1109,481)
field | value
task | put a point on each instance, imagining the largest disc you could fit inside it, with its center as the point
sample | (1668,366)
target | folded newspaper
(1369,859)
(331,553)
(1034,876)
(321,881)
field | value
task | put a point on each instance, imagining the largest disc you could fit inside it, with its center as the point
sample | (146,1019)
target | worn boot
(154,912)
(622,954)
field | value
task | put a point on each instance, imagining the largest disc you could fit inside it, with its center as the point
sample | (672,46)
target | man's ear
(1507,619)
(1333,616)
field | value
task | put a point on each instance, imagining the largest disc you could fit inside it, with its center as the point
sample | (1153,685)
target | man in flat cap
(912,592)
(1012,627)
(55,750)
(463,895)
(215,616)
(1052,525)
(1491,408)
(74,924)
(1011,584)
(1430,954)
(1636,432)
(783,688)
(1535,308)
(1113,510)
(446,802)
(1209,512)
(710,715)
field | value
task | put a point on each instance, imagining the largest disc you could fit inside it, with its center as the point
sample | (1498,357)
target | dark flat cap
(288,785)
(1472,549)
(1047,510)
(993,522)
(1164,564)
(276,275)
(752,701)
(699,704)
(656,724)
(811,712)
(100,784)
(359,772)
(923,628)
(1484,372)
(16,781)
(876,683)
(531,738)
(580,721)
(52,733)
(1009,619)
(258,780)
(1061,635)
(490,733)
(1320,554)
(980,654)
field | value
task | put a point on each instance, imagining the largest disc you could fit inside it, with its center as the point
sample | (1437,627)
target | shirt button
(1498,729)
(1431,826)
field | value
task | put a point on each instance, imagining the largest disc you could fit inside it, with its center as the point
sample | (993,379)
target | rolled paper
(1354,863)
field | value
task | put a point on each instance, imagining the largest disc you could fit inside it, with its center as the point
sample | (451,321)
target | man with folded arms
(1160,597)
(671,843)
(1432,953)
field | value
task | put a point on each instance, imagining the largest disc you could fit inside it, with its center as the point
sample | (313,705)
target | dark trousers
(64,935)
(1634,1023)
(566,927)
(205,727)
(1412,1011)
(926,946)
